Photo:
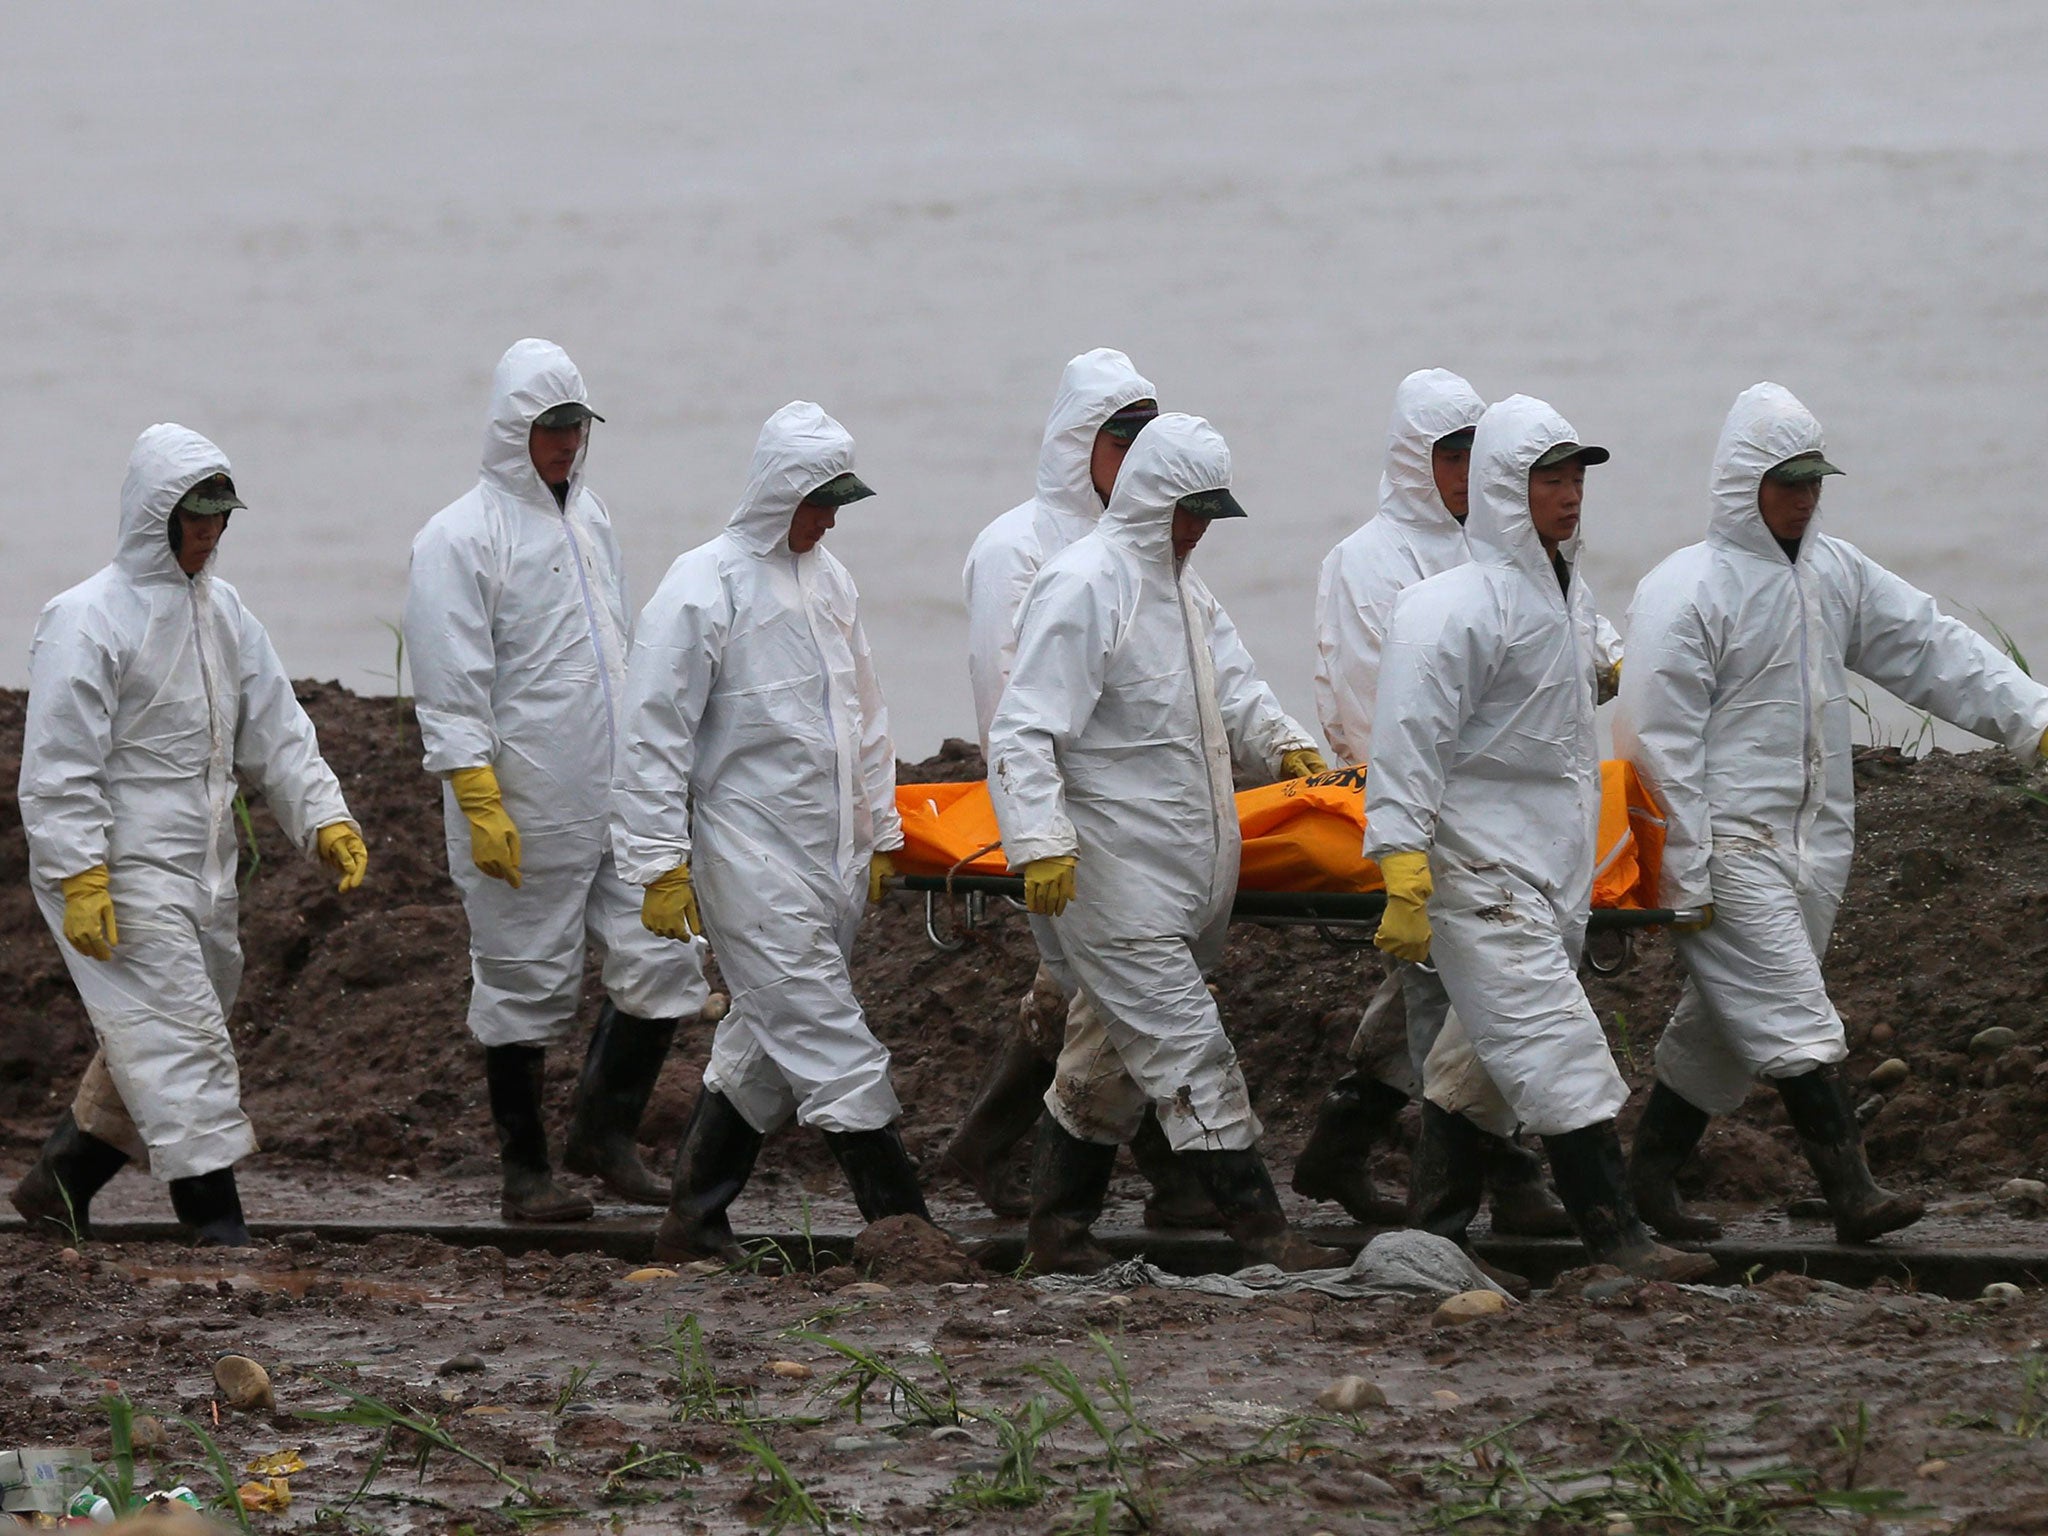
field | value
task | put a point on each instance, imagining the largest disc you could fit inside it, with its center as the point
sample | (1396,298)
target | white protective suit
(516,632)
(148,693)
(1735,710)
(1484,755)
(757,750)
(1006,556)
(1130,696)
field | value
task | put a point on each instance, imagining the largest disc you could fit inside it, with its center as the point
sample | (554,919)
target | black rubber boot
(210,1209)
(1243,1190)
(1518,1196)
(1446,1178)
(1671,1128)
(1355,1116)
(1178,1200)
(55,1195)
(1005,1107)
(712,1167)
(883,1177)
(619,1071)
(515,1075)
(1069,1177)
(1592,1180)
(1821,1114)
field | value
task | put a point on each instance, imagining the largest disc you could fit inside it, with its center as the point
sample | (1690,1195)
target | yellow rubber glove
(1404,926)
(1302,763)
(881,870)
(89,914)
(2044,744)
(1706,920)
(670,906)
(341,849)
(1049,884)
(493,840)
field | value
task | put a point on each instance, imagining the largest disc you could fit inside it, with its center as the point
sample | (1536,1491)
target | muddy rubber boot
(1671,1128)
(515,1075)
(1069,1177)
(210,1209)
(1178,1201)
(1820,1113)
(1592,1180)
(1005,1107)
(55,1195)
(712,1167)
(625,1058)
(1446,1178)
(1518,1196)
(883,1177)
(1243,1190)
(1355,1116)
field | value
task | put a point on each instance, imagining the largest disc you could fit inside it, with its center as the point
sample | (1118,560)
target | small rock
(464,1364)
(1993,1041)
(2003,1292)
(715,1008)
(2027,1195)
(1348,1394)
(1881,1034)
(1889,1073)
(789,1370)
(865,1288)
(244,1383)
(1810,1208)
(1620,1525)
(1444,1397)
(1614,1288)
(704,1267)
(1469,1307)
(952,1432)
(1868,1110)
(147,1432)
(854,1444)
(1932,1468)
(651,1272)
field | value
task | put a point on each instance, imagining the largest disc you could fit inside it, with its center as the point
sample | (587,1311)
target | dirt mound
(908,1250)
(354,1053)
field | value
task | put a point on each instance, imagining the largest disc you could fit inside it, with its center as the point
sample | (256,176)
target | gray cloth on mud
(1407,1263)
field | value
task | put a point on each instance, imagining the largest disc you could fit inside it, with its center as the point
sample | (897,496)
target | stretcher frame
(1346,919)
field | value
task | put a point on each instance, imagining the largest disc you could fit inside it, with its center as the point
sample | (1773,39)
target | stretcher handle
(1320,906)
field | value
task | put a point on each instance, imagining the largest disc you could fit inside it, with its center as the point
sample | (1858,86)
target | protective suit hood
(167,461)
(1095,386)
(1513,434)
(1766,426)
(1429,404)
(533,376)
(1175,456)
(799,449)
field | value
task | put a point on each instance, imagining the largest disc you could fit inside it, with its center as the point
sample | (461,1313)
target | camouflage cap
(212,497)
(570,413)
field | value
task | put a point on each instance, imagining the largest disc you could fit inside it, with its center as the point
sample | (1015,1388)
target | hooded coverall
(149,691)
(516,632)
(757,751)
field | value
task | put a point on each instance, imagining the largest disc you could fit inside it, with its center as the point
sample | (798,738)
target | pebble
(790,1370)
(2004,1292)
(1993,1041)
(865,1288)
(1932,1468)
(1881,1034)
(1469,1307)
(464,1364)
(1889,1073)
(1348,1394)
(1613,1288)
(952,1432)
(243,1382)
(715,1008)
(651,1272)
(1444,1397)
(705,1267)
(2024,1194)
(853,1444)
(1620,1525)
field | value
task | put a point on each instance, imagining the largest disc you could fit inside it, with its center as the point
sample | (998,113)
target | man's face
(1554,496)
(1104,460)
(554,450)
(808,524)
(1187,532)
(198,533)
(1450,461)
(1787,509)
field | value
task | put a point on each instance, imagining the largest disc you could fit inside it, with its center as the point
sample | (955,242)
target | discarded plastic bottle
(89,1503)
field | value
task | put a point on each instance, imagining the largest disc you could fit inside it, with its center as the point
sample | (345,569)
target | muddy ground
(358,1074)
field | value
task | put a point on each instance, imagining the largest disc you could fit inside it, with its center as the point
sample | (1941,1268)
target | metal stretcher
(1346,919)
